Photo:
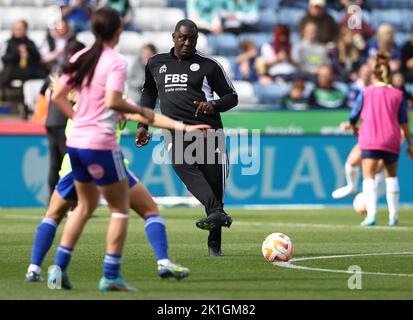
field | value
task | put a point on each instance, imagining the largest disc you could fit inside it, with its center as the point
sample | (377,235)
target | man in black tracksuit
(184,80)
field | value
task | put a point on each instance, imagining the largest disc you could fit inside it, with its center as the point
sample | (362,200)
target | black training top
(179,83)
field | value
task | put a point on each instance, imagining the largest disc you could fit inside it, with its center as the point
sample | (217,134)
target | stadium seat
(270,93)
(395,17)
(245,92)
(303,4)
(147,3)
(28,3)
(130,42)
(176,3)
(8,15)
(226,65)
(402,38)
(258,37)
(202,44)
(31,89)
(290,17)
(43,18)
(269,4)
(162,40)
(267,21)
(86,37)
(38,36)
(157,19)
(225,44)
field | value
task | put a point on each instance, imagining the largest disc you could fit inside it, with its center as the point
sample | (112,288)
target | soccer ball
(359,203)
(277,247)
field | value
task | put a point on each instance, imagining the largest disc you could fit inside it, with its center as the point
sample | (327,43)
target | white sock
(34,268)
(379,183)
(392,196)
(352,175)
(369,190)
(164,262)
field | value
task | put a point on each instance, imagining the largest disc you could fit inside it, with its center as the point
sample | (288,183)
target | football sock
(369,190)
(156,234)
(42,242)
(352,175)
(111,265)
(378,181)
(63,256)
(392,196)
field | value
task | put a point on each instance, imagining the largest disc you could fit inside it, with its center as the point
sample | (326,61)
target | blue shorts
(66,186)
(104,167)
(388,157)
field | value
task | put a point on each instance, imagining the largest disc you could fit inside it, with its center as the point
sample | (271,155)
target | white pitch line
(326,226)
(244,223)
(290,265)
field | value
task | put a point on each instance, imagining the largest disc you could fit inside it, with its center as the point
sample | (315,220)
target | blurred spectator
(77,13)
(240,16)
(52,50)
(296,99)
(206,15)
(125,10)
(309,54)
(407,59)
(326,26)
(277,56)
(137,72)
(362,35)
(22,59)
(398,82)
(345,56)
(384,41)
(325,95)
(246,62)
(357,86)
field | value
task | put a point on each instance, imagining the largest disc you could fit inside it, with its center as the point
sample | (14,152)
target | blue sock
(43,240)
(111,265)
(63,256)
(156,234)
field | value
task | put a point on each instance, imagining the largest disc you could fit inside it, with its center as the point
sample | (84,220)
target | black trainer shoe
(214,220)
(215,252)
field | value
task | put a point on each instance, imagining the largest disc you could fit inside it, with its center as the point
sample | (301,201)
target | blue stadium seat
(269,4)
(223,44)
(176,3)
(291,17)
(270,93)
(402,38)
(395,17)
(268,20)
(258,37)
(303,4)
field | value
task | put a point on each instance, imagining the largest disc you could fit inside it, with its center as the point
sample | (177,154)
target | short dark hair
(186,23)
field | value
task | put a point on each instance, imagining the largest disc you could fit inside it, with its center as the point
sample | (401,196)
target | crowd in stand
(327,57)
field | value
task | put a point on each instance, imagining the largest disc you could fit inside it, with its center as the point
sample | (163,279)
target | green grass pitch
(241,274)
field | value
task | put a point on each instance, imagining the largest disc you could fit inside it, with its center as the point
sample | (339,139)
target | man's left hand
(203,107)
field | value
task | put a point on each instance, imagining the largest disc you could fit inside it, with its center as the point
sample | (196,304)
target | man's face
(185,41)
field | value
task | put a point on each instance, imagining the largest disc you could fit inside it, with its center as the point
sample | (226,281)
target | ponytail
(105,23)
(381,70)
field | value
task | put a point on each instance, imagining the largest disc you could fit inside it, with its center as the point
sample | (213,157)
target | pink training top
(94,124)
(382,109)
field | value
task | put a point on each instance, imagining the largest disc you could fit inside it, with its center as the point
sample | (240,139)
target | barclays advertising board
(268,170)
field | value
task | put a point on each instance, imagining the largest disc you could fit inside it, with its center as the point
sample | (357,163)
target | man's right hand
(142,137)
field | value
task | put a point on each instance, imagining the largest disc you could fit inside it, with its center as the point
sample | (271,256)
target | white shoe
(343,192)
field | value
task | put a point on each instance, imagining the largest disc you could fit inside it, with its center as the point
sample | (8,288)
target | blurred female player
(64,198)
(383,112)
(98,74)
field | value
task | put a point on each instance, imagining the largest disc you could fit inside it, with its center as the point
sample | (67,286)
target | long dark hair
(105,22)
